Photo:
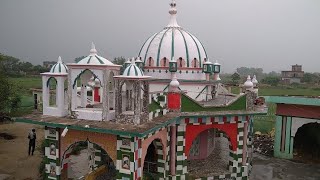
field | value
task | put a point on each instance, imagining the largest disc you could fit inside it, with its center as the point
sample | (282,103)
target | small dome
(59,67)
(207,62)
(94,59)
(254,80)
(248,84)
(133,70)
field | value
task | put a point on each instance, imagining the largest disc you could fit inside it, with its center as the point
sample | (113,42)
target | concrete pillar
(283,142)
(60,94)
(83,96)
(245,137)
(173,140)
(45,92)
(137,101)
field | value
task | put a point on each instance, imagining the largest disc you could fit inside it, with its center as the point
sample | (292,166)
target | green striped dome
(133,71)
(59,67)
(173,41)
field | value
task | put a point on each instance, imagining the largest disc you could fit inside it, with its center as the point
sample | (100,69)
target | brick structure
(293,76)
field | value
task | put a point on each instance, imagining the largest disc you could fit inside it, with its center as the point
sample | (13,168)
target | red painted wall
(96,95)
(174,101)
(294,110)
(192,131)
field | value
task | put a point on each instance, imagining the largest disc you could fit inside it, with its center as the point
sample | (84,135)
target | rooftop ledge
(124,129)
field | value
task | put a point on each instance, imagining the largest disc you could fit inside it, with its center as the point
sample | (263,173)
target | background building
(293,76)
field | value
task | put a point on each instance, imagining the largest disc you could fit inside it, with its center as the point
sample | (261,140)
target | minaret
(173,15)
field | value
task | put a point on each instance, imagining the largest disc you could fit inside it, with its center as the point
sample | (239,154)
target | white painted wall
(298,122)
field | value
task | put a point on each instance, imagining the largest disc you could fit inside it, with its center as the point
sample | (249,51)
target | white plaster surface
(298,122)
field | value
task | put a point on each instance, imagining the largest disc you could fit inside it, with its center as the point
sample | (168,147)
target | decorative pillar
(173,139)
(117,95)
(105,102)
(137,101)
(283,142)
(52,153)
(45,92)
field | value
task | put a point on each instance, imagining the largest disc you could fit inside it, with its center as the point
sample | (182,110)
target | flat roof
(112,127)
(301,100)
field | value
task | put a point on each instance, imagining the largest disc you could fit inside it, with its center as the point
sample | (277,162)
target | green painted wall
(287,153)
(191,106)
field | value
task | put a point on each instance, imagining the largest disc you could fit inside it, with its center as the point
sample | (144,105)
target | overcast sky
(272,34)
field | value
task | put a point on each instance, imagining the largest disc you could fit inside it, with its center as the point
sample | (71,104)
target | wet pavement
(270,168)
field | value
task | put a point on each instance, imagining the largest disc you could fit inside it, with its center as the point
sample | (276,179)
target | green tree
(244,71)
(310,78)
(120,61)
(271,80)
(235,78)
(9,98)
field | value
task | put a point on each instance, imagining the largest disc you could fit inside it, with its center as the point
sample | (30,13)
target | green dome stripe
(141,72)
(101,62)
(186,45)
(53,68)
(159,48)
(88,62)
(145,43)
(172,44)
(205,52)
(197,47)
(59,67)
(135,71)
(65,67)
(145,56)
(128,73)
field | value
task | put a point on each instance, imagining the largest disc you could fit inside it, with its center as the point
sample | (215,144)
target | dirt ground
(14,159)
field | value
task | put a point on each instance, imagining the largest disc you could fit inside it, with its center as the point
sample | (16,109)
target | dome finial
(93,49)
(173,12)
(133,61)
(59,59)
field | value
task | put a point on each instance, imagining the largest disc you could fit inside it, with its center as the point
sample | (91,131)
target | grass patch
(26,83)
(288,90)
(190,106)
(265,123)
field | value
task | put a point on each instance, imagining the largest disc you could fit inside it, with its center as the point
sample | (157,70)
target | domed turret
(94,59)
(133,71)
(59,67)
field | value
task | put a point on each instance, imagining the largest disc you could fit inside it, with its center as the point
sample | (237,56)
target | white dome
(59,67)
(254,80)
(133,71)
(173,41)
(94,59)
(248,84)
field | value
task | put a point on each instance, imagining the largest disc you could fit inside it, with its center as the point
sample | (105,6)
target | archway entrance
(209,149)
(83,157)
(153,165)
(306,145)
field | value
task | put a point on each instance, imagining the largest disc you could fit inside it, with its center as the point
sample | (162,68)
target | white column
(74,97)
(60,93)
(45,93)
(83,93)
